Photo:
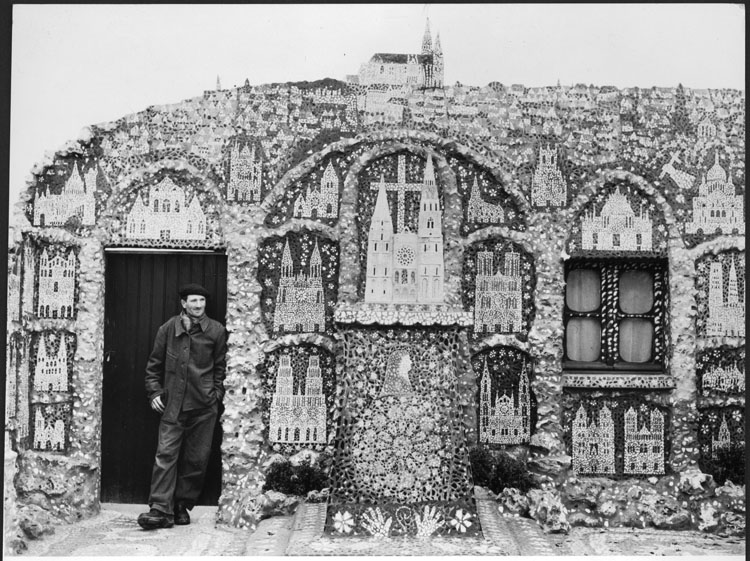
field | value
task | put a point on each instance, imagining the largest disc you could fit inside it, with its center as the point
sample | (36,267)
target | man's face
(194,305)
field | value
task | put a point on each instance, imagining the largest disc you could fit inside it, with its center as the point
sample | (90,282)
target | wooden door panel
(141,294)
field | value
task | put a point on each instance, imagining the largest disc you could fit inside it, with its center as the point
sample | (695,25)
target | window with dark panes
(615,314)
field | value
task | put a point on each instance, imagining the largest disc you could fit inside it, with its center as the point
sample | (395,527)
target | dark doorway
(141,294)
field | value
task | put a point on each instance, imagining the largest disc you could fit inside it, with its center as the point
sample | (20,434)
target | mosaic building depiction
(717,208)
(405,266)
(726,315)
(245,174)
(56,284)
(504,419)
(298,415)
(322,202)
(547,185)
(498,293)
(617,227)
(167,216)
(300,301)
(413,275)
(594,442)
(76,200)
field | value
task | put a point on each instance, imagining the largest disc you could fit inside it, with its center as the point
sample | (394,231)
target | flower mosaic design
(461,521)
(343,522)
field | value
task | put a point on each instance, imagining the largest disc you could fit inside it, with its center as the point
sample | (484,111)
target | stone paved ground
(116,532)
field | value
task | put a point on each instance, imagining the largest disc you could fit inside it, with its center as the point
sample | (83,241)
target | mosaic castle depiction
(411,269)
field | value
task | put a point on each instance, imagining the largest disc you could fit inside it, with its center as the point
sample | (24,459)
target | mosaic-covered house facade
(414,270)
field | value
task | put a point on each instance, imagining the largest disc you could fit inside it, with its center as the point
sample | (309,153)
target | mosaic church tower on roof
(424,70)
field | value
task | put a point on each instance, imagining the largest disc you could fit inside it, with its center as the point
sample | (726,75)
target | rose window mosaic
(400,221)
(401,462)
(506,404)
(485,201)
(498,285)
(298,274)
(619,221)
(316,196)
(721,372)
(616,436)
(720,282)
(169,209)
(69,192)
(721,437)
(299,386)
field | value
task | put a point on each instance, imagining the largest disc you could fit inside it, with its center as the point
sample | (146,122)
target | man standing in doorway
(184,383)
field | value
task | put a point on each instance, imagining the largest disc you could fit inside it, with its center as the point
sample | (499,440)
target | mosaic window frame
(271,279)
(618,193)
(526,286)
(505,368)
(609,314)
(728,312)
(299,356)
(633,449)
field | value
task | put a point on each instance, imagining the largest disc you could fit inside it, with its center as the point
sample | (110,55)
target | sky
(77,65)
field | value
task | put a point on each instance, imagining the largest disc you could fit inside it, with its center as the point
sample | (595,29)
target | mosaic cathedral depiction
(411,270)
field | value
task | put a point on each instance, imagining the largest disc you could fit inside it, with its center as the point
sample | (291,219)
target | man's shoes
(181,516)
(154,519)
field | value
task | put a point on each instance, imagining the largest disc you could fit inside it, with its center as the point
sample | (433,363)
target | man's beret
(196,289)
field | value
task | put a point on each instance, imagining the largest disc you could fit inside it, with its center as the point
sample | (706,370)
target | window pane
(636,337)
(582,290)
(583,339)
(636,292)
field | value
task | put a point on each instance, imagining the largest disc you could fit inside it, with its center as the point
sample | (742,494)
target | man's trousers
(181,459)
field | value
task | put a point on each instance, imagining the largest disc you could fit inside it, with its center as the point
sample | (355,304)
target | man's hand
(157,405)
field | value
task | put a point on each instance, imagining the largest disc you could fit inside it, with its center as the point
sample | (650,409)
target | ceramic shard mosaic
(298,274)
(299,383)
(50,286)
(51,423)
(68,193)
(244,171)
(616,436)
(401,235)
(721,371)
(169,209)
(315,196)
(721,294)
(619,221)
(52,362)
(507,408)
(485,201)
(401,461)
(498,286)
(721,437)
